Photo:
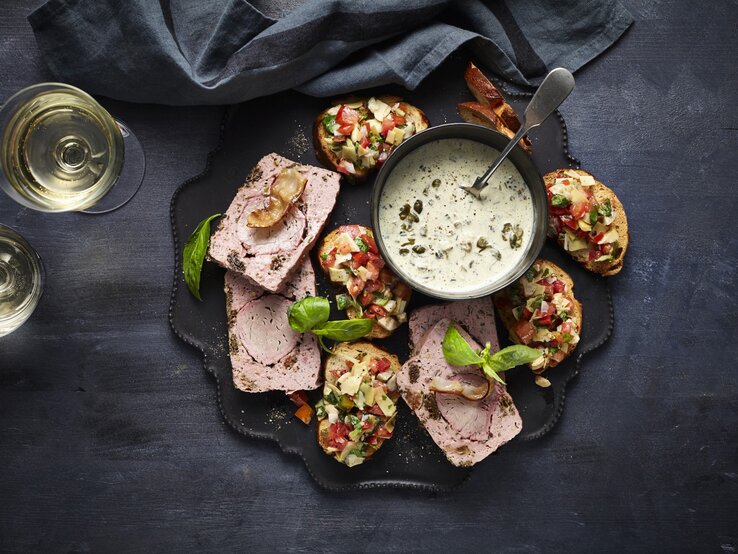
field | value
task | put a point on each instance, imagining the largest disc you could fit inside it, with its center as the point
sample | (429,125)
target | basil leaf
(193,255)
(593,216)
(489,370)
(559,201)
(344,329)
(309,312)
(511,357)
(457,351)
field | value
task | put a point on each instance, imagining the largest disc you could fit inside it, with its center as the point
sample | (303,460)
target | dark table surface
(111,440)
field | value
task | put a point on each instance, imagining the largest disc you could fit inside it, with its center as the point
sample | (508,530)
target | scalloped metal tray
(282,123)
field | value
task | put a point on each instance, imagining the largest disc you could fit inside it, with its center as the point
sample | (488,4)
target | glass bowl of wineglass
(21,280)
(62,151)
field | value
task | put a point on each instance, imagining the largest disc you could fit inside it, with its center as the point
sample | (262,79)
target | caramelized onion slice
(286,189)
(462,388)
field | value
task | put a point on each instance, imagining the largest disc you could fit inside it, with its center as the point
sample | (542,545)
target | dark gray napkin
(227,51)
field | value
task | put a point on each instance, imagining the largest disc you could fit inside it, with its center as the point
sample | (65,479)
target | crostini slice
(355,135)
(349,257)
(540,311)
(587,219)
(490,109)
(359,405)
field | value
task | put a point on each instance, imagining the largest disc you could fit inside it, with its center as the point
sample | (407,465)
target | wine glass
(62,151)
(21,280)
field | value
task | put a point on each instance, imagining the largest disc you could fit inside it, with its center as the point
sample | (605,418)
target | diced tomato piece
(386,276)
(358,259)
(382,158)
(346,129)
(373,285)
(401,291)
(373,440)
(364,142)
(299,397)
(558,356)
(339,138)
(545,321)
(383,364)
(346,167)
(355,286)
(383,433)
(548,290)
(566,327)
(606,248)
(558,211)
(569,221)
(367,127)
(338,435)
(578,209)
(304,413)
(598,237)
(347,116)
(376,410)
(594,254)
(526,313)
(524,330)
(374,267)
(366,298)
(330,259)
(376,309)
(387,125)
(398,119)
(558,286)
(370,243)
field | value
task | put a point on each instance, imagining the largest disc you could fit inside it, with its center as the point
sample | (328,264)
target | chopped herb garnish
(559,201)
(364,247)
(605,209)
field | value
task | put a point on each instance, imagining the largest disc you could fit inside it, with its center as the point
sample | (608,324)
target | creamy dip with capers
(442,236)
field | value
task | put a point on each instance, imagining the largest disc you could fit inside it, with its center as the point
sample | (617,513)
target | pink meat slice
(287,233)
(269,257)
(477,316)
(266,354)
(467,431)
(263,330)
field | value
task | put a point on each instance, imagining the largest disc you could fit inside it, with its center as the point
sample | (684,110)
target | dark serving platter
(282,123)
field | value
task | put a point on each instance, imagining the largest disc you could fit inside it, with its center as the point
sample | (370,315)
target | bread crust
(504,309)
(331,159)
(490,109)
(601,192)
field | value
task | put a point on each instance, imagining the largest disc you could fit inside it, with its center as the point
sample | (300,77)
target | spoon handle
(554,89)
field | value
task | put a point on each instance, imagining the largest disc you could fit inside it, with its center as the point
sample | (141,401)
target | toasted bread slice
(474,112)
(349,257)
(330,147)
(522,314)
(601,194)
(481,87)
(377,414)
(490,109)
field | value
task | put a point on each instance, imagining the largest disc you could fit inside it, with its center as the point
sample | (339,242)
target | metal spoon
(554,89)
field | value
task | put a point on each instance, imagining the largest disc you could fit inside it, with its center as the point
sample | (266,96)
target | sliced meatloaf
(268,255)
(266,354)
(477,316)
(466,430)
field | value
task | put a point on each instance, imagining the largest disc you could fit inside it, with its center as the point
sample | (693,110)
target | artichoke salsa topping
(374,292)
(364,135)
(542,315)
(359,402)
(582,225)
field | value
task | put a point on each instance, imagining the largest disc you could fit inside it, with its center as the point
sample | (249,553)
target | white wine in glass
(21,280)
(62,151)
